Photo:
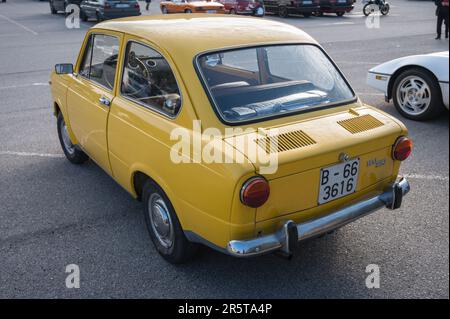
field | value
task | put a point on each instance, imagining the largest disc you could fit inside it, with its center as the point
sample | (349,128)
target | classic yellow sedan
(237,133)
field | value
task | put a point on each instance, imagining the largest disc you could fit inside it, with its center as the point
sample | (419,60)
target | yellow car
(237,133)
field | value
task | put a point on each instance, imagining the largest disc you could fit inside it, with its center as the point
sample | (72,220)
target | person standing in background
(147,6)
(442,13)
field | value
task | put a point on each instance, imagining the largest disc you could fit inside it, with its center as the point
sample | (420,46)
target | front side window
(257,83)
(148,79)
(100,60)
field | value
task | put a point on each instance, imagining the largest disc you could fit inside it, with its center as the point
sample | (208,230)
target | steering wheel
(139,77)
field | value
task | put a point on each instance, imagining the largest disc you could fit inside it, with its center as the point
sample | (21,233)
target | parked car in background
(60,5)
(339,7)
(246,7)
(286,7)
(108,9)
(418,84)
(191,6)
(134,88)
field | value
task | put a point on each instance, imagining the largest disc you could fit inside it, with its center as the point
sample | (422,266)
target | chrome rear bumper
(286,238)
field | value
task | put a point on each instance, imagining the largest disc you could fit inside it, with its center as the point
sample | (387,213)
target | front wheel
(164,10)
(73,154)
(164,227)
(385,9)
(232,11)
(188,11)
(340,14)
(417,95)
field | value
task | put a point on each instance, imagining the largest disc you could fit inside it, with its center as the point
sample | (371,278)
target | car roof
(196,33)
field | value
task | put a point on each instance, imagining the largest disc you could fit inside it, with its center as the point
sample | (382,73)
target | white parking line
(428,177)
(23,86)
(31,154)
(18,24)
(28,154)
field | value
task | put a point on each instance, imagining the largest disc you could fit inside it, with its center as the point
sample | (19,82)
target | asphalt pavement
(53,214)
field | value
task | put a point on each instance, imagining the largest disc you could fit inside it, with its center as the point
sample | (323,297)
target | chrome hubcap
(414,95)
(160,220)
(66,139)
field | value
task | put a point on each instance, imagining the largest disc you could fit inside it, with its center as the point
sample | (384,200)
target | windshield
(256,83)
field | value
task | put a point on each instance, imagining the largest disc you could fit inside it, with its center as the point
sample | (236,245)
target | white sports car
(418,84)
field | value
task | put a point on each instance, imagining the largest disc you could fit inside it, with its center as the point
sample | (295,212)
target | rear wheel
(164,10)
(283,12)
(164,227)
(72,152)
(232,11)
(188,11)
(417,95)
(340,14)
(369,9)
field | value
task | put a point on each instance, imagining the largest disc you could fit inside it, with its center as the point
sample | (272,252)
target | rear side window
(148,80)
(100,60)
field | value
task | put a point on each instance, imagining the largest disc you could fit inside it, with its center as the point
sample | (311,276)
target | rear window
(257,83)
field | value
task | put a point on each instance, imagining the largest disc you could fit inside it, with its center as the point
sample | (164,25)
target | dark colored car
(246,7)
(108,9)
(286,7)
(60,5)
(340,7)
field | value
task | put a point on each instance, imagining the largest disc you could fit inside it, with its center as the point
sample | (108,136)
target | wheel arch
(404,68)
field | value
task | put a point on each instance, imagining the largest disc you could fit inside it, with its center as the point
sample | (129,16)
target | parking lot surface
(53,213)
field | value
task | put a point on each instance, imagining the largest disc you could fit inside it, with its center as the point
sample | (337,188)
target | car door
(91,93)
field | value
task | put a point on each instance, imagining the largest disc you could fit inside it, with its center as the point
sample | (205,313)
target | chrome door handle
(105,101)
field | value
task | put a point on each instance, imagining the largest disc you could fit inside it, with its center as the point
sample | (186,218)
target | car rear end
(207,7)
(120,8)
(336,6)
(305,7)
(332,170)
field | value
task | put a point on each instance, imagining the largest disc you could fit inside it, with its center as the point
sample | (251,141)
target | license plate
(338,181)
(122,5)
(307,2)
(211,11)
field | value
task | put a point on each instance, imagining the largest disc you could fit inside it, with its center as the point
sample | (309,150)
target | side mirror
(64,68)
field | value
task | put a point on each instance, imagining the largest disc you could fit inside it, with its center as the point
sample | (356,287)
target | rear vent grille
(360,124)
(285,141)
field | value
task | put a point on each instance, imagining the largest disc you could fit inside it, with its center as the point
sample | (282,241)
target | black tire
(385,9)
(340,13)
(181,250)
(74,155)
(188,11)
(98,16)
(307,14)
(164,10)
(368,9)
(436,105)
(232,11)
(283,12)
(318,14)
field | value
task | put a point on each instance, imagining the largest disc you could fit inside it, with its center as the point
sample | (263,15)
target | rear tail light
(255,192)
(402,148)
